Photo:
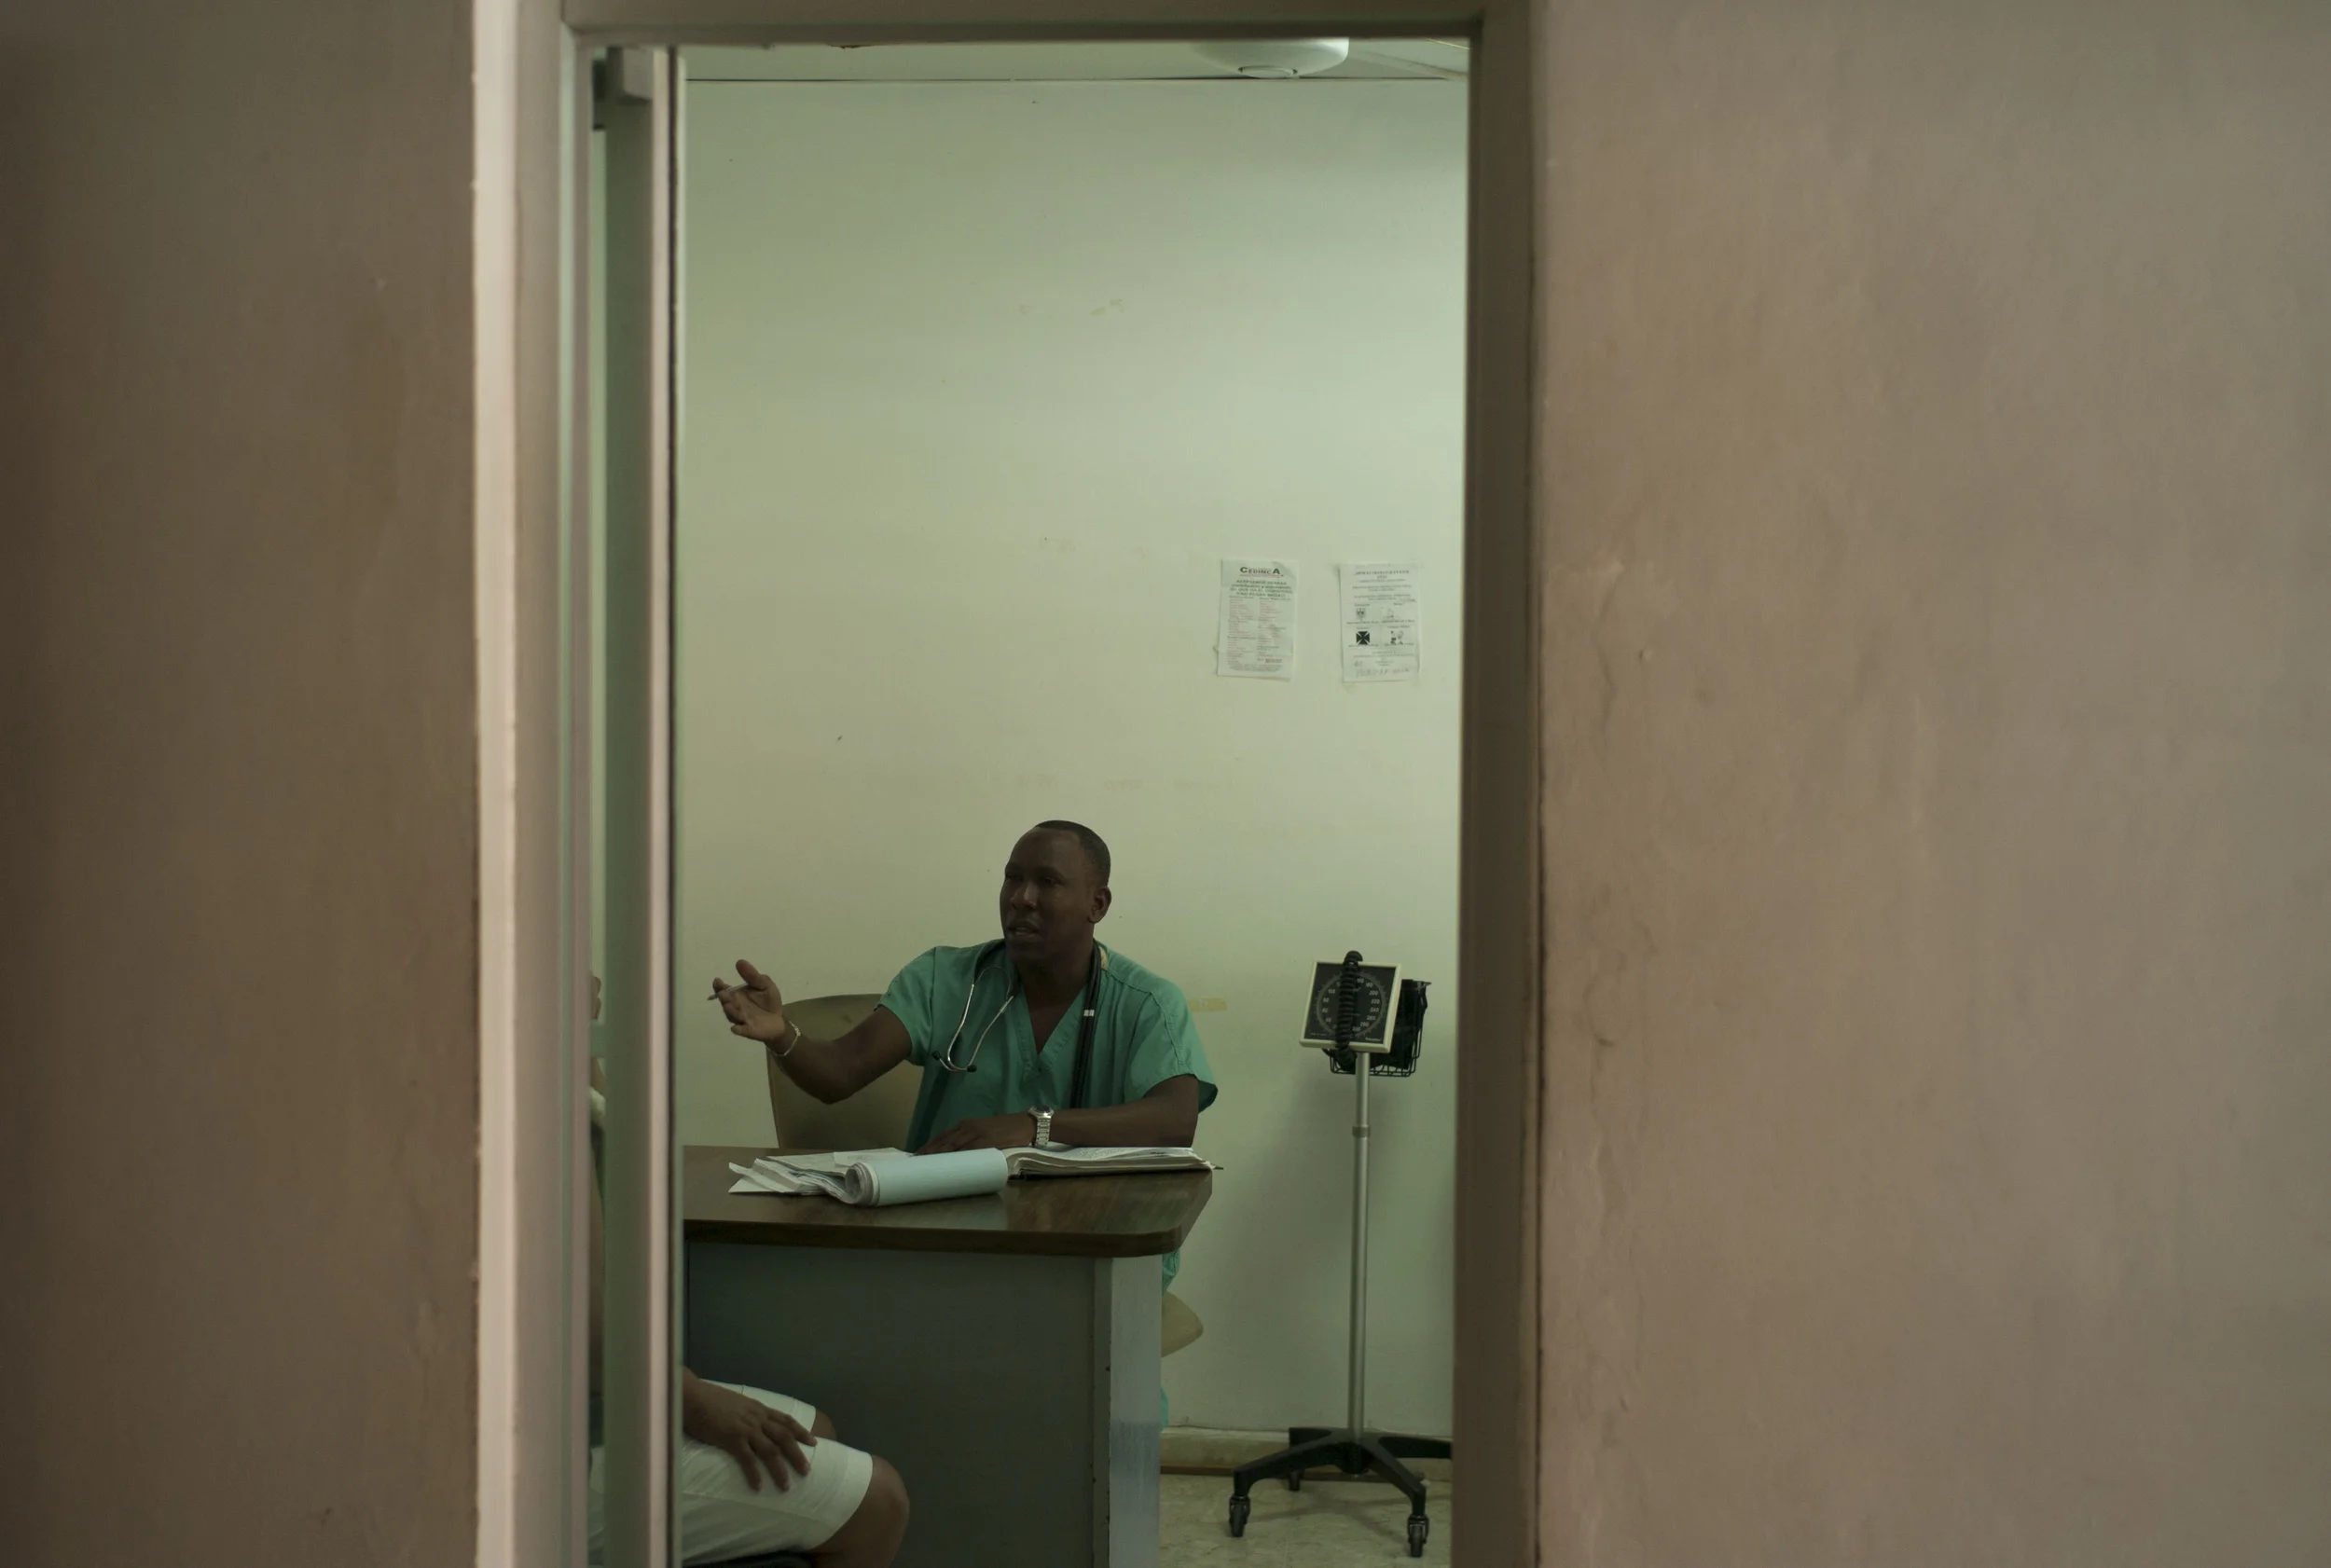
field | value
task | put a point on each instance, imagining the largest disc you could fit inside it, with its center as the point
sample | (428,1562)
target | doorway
(1318,589)
(993,357)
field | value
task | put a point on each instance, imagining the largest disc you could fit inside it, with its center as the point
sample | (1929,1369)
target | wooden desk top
(1060,1216)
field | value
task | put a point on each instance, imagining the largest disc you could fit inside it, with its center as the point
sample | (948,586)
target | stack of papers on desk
(878,1178)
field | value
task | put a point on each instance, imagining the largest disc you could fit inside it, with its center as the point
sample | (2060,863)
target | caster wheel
(1238,1509)
(1417,1530)
(1294,1480)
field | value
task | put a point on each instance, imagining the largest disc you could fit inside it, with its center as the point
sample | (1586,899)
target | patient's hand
(757,1436)
(985,1131)
(756,1009)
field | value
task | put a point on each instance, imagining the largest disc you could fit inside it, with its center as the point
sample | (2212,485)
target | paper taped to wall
(1257,635)
(1381,639)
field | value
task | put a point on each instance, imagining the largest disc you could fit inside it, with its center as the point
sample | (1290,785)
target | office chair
(877,1117)
(1178,1325)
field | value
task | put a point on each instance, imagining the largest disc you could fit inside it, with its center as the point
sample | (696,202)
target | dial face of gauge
(1370,1004)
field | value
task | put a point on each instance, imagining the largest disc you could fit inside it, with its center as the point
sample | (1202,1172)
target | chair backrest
(1178,1326)
(877,1116)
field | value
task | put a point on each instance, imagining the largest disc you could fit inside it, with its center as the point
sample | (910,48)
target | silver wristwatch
(1043,1125)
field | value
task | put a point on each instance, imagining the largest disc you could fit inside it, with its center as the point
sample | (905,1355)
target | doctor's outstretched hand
(756,1009)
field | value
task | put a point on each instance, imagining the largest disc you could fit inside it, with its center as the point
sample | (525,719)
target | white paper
(1381,639)
(879,1178)
(1257,635)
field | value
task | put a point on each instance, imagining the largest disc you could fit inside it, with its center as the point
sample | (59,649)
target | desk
(1002,1352)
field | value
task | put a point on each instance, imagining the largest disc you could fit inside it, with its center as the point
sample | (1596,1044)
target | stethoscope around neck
(1011,988)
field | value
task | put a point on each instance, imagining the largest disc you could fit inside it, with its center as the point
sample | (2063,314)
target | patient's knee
(887,1494)
(882,1516)
(821,1426)
(871,1537)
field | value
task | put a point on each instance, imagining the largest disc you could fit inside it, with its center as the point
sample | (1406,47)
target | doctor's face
(1050,900)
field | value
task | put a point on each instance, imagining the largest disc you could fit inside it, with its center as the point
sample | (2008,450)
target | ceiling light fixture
(1276,57)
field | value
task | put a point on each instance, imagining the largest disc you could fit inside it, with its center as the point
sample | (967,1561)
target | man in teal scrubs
(997,1027)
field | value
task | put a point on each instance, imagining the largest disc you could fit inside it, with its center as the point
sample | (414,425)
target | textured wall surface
(237,785)
(1939,792)
(1936,659)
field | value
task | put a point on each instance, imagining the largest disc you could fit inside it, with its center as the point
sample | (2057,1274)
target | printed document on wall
(1258,629)
(1381,640)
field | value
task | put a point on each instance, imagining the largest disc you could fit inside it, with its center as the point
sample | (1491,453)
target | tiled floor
(1327,1525)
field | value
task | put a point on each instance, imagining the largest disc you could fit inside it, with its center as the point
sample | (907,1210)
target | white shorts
(722,1517)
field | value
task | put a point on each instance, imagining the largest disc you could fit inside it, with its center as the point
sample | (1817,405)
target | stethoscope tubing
(979,967)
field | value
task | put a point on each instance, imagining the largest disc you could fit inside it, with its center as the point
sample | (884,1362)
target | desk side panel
(1128,1334)
(973,1374)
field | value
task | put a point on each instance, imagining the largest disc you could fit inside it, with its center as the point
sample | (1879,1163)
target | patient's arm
(830,1069)
(599,1272)
(759,1438)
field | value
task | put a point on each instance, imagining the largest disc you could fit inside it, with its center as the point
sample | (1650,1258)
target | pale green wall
(981,380)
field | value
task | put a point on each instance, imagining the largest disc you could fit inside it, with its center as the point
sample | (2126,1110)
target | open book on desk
(878,1178)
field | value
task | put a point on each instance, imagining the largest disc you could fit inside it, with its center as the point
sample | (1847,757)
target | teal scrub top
(1143,1035)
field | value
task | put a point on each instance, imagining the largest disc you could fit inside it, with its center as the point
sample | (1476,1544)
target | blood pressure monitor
(1375,990)
(1359,1009)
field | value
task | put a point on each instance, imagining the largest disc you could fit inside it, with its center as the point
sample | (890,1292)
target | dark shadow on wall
(31,512)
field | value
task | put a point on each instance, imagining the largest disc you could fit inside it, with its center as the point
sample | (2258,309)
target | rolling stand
(1345,993)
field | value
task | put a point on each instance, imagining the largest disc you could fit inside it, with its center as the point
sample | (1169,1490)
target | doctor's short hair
(1095,850)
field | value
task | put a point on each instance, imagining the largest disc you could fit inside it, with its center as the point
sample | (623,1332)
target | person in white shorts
(758,1472)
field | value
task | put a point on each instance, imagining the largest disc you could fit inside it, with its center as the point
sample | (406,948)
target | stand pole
(1359,1399)
(1354,1451)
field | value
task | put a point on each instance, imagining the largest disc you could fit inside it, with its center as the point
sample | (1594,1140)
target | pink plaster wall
(238,1090)
(1938,499)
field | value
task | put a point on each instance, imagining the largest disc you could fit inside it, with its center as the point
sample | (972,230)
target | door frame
(533,1010)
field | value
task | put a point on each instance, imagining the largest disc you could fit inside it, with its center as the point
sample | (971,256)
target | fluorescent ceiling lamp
(1381,59)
